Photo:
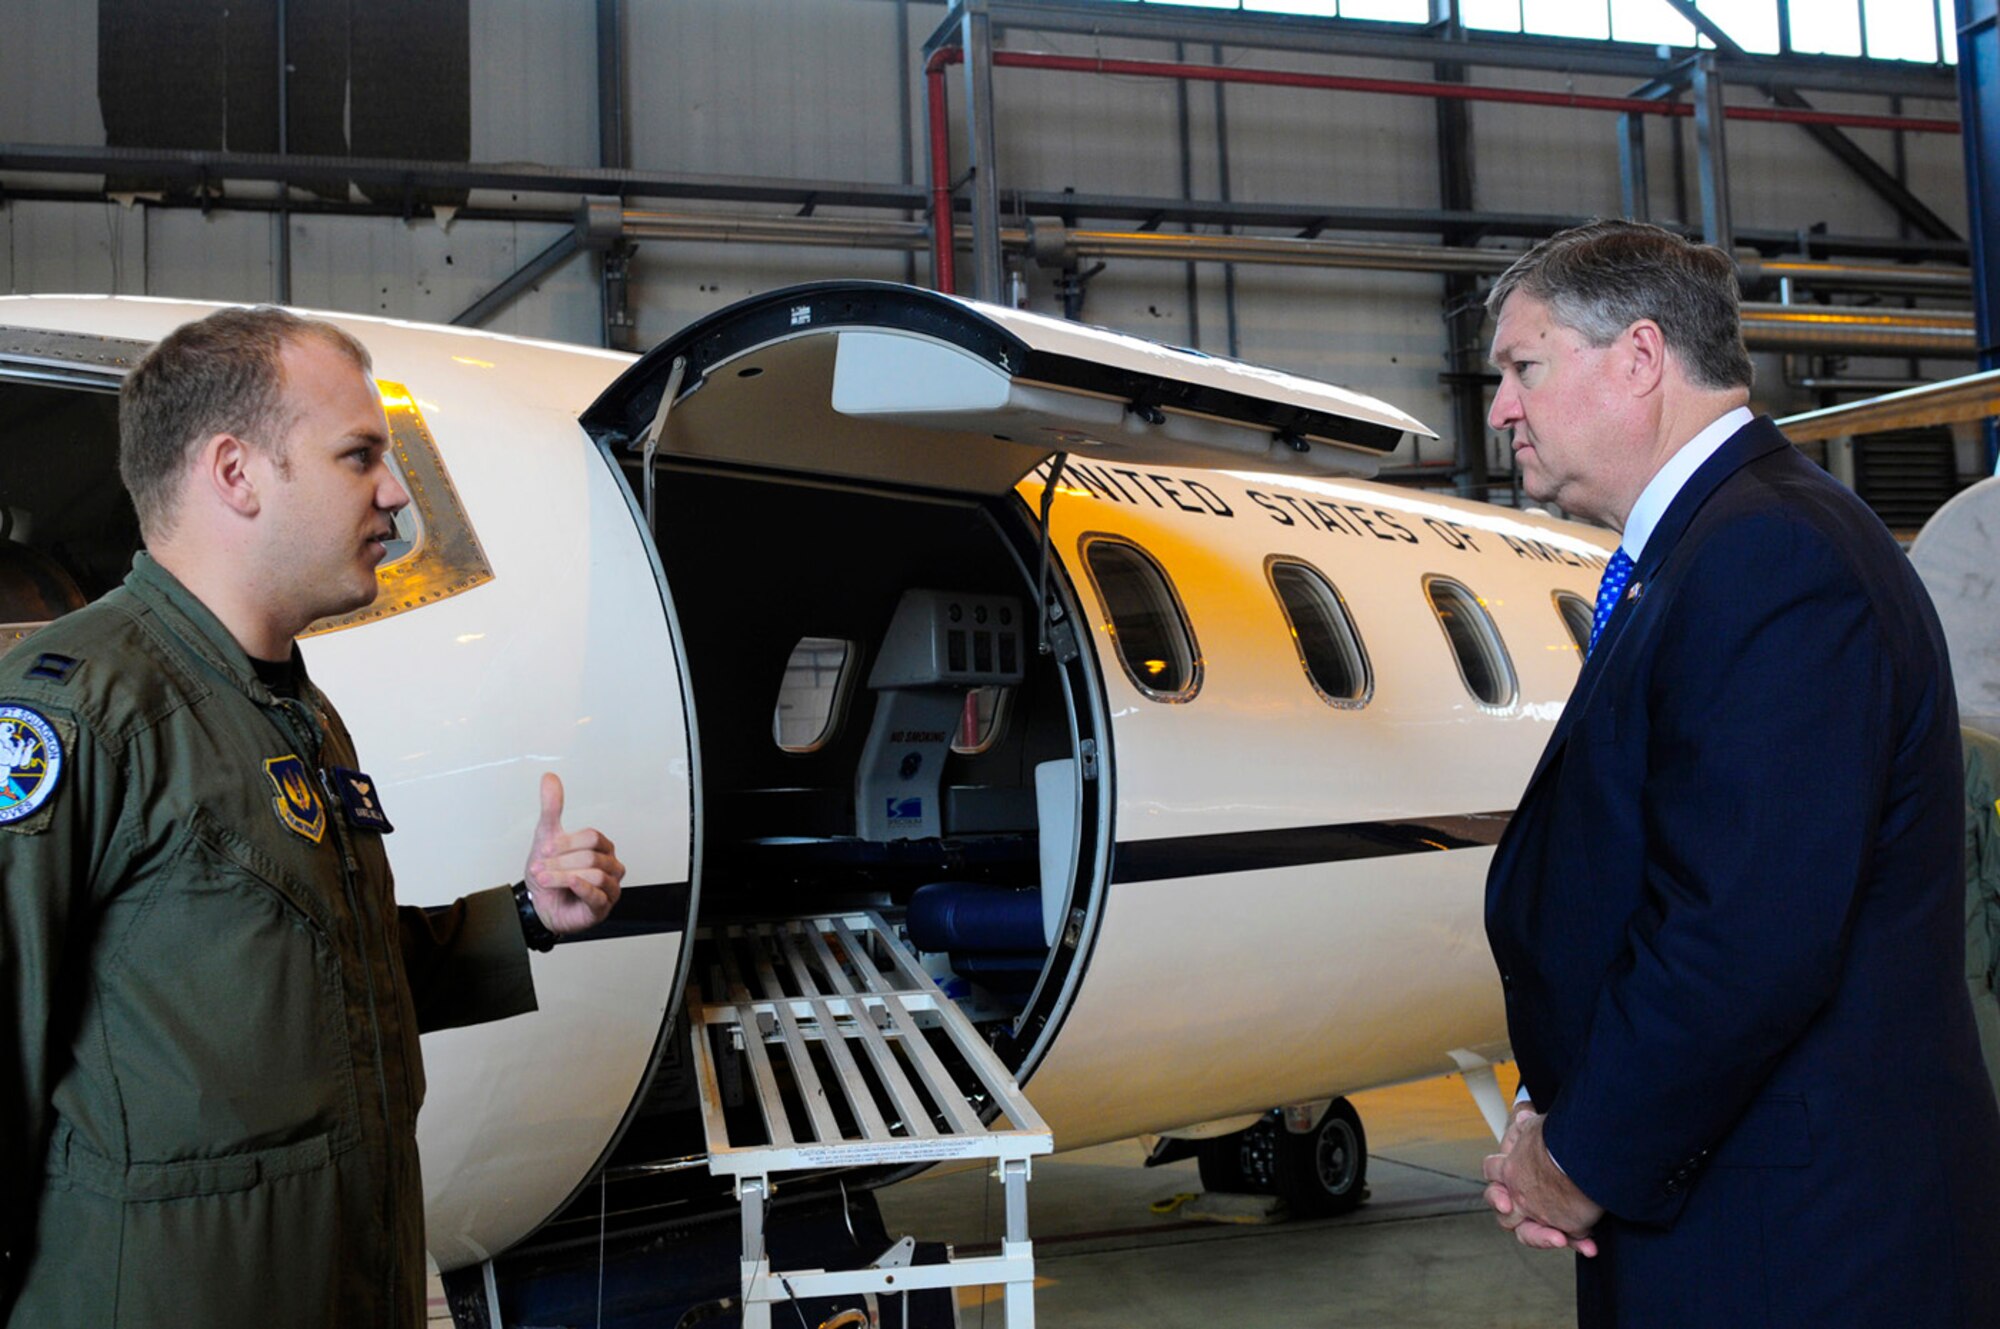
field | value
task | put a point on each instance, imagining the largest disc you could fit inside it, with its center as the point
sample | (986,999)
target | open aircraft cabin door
(898,705)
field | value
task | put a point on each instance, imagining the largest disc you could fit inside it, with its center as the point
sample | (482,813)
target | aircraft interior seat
(993,934)
(34,588)
(999,936)
(938,645)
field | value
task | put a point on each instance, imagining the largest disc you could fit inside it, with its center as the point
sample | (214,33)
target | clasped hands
(1531,1196)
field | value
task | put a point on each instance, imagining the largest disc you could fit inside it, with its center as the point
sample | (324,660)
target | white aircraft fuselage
(1258,889)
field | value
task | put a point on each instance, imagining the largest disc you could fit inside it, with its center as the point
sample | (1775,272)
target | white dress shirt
(1670,479)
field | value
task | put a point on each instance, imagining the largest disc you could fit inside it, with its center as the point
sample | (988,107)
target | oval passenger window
(1475,642)
(1144,617)
(1576,615)
(812,693)
(1323,631)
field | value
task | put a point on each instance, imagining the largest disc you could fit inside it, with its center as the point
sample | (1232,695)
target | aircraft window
(1577,613)
(813,693)
(1323,631)
(1482,659)
(1154,642)
(433,552)
(983,720)
(67,531)
(406,538)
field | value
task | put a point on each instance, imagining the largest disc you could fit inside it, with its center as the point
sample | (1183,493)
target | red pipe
(1278,78)
(944,227)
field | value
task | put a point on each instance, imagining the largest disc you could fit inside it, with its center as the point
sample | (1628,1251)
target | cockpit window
(1323,632)
(1144,618)
(813,693)
(1475,641)
(434,552)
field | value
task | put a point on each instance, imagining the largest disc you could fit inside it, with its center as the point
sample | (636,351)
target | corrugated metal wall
(817,89)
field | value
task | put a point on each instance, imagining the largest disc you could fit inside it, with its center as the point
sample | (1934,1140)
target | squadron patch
(297,805)
(31,762)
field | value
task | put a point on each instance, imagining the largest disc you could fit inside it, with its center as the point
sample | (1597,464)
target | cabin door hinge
(1087,750)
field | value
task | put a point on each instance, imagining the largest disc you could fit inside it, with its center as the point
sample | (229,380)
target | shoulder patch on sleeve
(31,763)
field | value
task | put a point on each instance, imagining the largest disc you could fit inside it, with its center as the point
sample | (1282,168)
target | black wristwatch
(535,932)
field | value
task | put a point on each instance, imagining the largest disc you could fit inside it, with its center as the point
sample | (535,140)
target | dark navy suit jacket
(1728,919)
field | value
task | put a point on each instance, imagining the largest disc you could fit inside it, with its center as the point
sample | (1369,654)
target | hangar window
(1577,614)
(1475,641)
(1144,618)
(813,693)
(1323,631)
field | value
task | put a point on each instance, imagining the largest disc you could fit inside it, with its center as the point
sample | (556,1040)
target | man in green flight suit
(208,1101)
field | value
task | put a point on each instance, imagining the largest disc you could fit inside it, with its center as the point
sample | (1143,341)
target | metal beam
(989,276)
(1712,155)
(1974,397)
(1464,316)
(1634,194)
(200,167)
(541,265)
(560,187)
(610,84)
(1782,91)
(1979,106)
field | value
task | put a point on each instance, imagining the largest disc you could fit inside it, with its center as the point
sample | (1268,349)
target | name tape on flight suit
(360,800)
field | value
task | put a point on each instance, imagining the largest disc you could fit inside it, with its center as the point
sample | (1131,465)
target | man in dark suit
(1728,912)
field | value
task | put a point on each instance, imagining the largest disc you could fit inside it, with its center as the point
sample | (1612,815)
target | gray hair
(1600,278)
(223,374)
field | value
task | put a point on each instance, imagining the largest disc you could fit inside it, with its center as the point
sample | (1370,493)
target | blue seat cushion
(964,916)
(1005,973)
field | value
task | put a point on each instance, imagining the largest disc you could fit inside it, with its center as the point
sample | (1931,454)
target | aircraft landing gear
(1318,1173)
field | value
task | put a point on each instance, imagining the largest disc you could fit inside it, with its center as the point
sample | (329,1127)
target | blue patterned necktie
(1616,573)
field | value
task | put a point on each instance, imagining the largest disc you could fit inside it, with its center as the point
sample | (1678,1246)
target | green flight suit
(208,1102)
(1982,891)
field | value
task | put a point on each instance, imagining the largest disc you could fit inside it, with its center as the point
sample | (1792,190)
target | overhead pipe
(940,134)
(831,232)
(1280,78)
(944,265)
(1051,244)
(1928,334)
(1856,276)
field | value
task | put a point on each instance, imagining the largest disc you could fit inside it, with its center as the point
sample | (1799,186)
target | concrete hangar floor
(1422,1252)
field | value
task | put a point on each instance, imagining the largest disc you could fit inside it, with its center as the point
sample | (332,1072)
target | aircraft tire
(1221,1160)
(1325,1171)
(1318,1174)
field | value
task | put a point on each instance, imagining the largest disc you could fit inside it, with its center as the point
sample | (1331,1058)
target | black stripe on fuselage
(643,911)
(1301,846)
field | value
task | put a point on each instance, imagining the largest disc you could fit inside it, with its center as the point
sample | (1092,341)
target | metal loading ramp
(838,1052)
